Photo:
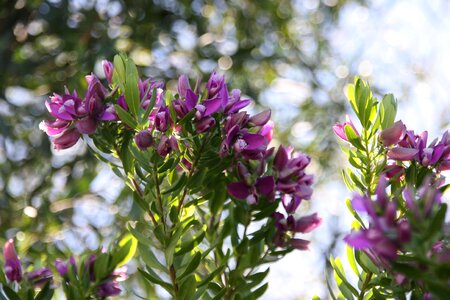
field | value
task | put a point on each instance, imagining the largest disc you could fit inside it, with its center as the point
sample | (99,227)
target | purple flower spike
(69,138)
(13,268)
(108,68)
(40,277)
(144,139)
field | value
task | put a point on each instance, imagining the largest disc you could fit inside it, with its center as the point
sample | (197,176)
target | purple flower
(108,68)
(63,267)
(235,103)
(267,130)
(162,119)
(109,288)
(339,129)
(402,154)
(204,124)
(304,224)
(40,277)
(183,86)
(386,234)
(291,178)
(86,125)
(217,88)
(143,139)
(67,139)
(13,268)
(393,134)
(263,186)
(110,285)
(52,128)
(166,145)
(260,119)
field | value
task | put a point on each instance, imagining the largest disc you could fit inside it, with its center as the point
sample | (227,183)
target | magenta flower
(393,134)
(166,145)
(162,119)
(67,139)
(339,129)
(264,186)
(292,179)
(235,103)
(40,277)
(386,234)
(304,224)
(267,130)
(13,267)
(217,88)
(110,285)
(108,68)
(63,267)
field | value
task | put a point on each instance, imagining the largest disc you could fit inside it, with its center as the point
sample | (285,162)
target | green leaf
(388,111)
(46,293)
(438,222)
(365,262)
(101,266)
(136,232)
(192,266)
(150,259)
(176,186)
(190,244)
(351,260)
(131,87)
(154,278)
(128,242)
(10,293)
(119,72)
(125,117)
(187,288)
(341,279)
(352,137)
(149,107)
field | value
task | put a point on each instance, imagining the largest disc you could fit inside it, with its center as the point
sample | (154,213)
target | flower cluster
(386,233)
(109,286)
(245,138)
(13,268)
(405,145)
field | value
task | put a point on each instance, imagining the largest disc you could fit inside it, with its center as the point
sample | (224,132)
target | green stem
(158,195)
(173,278)
(365,286)
(141,195)
(191,173)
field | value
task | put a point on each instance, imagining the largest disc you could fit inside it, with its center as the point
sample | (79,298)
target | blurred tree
(264,46)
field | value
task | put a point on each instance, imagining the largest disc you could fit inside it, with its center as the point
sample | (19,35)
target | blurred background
(295,57)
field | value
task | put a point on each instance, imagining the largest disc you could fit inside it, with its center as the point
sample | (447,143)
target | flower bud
(40,277)
(393,134)
(143,139)
(108,68)
(13,268)
(68,138)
